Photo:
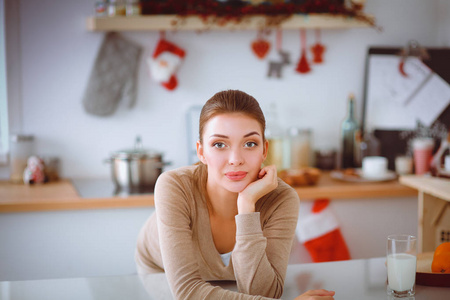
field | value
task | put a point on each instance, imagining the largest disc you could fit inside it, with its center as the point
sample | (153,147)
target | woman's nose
(236,158)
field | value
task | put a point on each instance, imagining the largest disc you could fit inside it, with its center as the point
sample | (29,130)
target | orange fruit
(444,247)
(441,259)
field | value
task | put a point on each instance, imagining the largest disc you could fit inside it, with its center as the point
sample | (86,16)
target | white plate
(358,177)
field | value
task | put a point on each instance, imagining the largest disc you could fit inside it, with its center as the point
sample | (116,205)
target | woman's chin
(236,187)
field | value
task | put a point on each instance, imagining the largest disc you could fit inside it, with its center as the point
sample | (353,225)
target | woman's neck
(221,203)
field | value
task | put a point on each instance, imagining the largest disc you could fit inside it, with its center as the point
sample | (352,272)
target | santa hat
(320,234)
(164,63)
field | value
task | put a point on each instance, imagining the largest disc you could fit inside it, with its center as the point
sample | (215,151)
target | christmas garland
(222,12)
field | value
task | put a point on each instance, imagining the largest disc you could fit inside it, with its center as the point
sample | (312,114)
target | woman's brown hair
(231,101)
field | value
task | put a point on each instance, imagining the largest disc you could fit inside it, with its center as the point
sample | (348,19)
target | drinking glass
(423,153)
(401,265)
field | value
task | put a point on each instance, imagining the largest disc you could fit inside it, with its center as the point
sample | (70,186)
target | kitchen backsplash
(57,55)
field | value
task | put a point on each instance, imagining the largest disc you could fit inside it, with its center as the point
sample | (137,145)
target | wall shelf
(166,22)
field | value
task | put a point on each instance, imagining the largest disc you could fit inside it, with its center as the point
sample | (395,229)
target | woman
(225,218)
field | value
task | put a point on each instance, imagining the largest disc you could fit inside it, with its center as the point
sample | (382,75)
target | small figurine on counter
(34,172)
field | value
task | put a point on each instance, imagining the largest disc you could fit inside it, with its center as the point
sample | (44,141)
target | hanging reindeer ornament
(275,67)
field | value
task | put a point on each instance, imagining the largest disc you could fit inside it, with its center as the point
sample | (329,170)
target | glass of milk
(401,265)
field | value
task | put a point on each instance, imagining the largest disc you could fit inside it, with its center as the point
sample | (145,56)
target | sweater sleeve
(177,249)
(261,256)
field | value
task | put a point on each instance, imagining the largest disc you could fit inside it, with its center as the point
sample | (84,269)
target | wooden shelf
(433,201)
(438,187)
(166,22)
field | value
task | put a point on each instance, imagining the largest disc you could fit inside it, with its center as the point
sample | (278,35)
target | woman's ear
(266,148)
(200,152)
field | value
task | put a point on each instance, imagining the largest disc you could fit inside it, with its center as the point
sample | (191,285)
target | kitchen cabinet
(51,231)
(166,22)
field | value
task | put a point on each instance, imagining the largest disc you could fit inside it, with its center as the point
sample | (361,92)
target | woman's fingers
(320,292)
(316,295)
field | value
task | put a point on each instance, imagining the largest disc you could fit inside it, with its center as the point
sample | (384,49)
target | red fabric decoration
(260,46)
(318,49)
(320,234)
(303,65)
(164,63)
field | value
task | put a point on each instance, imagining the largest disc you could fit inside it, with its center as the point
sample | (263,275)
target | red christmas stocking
(164,63)
(320,234)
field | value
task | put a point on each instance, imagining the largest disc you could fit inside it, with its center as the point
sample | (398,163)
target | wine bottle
(349,128)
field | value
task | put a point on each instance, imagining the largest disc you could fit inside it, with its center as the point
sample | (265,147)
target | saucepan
(137,169)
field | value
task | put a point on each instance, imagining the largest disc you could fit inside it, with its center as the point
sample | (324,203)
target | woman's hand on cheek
(265,183)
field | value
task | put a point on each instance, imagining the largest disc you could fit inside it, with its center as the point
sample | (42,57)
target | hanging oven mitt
(113,77)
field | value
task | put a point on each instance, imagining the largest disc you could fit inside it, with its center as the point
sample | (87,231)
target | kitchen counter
(351,279)
(63,194)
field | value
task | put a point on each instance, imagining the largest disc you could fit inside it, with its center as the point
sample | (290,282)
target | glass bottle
(349,128)
(274,135)
(366,145)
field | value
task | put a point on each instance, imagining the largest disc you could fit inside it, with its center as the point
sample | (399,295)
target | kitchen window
(3,92)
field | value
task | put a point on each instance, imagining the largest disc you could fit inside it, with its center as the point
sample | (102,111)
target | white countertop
(353,279)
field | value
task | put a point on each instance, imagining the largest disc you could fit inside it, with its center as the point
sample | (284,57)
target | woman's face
(233,149)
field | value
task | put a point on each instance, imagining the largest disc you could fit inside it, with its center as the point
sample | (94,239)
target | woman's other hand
(316,295)
(266,182)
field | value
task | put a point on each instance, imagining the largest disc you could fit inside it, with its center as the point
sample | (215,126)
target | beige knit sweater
(177,239)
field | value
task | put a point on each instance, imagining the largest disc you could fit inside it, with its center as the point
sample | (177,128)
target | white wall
(57,54)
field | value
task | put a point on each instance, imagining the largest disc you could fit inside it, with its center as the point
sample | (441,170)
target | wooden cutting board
(424,276)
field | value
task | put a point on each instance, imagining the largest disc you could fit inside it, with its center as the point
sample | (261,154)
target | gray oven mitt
(113,76)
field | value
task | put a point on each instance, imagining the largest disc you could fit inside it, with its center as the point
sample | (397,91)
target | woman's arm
(175,234)
(260,256)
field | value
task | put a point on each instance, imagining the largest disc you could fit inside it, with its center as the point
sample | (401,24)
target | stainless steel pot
(136,170)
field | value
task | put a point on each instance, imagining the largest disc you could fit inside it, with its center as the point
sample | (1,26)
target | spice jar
(116,8)
(21,148)
(133,8)
(100,9)
(300,147)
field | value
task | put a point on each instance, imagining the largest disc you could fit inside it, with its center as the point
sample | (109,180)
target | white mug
(374,167)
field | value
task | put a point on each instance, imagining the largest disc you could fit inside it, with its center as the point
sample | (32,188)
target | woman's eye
(219,145)
(250,144)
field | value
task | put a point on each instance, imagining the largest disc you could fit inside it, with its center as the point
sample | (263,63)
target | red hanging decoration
(303,66)
(260,46)
(401,67)
(318,49)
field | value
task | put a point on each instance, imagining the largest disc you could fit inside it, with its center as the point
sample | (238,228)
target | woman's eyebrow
(227,137)
(251,133)
(219,136)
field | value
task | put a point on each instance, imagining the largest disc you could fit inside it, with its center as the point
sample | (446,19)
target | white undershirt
(226,258)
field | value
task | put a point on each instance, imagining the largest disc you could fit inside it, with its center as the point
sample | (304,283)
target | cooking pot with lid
(136,170)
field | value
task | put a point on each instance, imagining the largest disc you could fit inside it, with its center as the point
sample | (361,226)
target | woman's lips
(236,175)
